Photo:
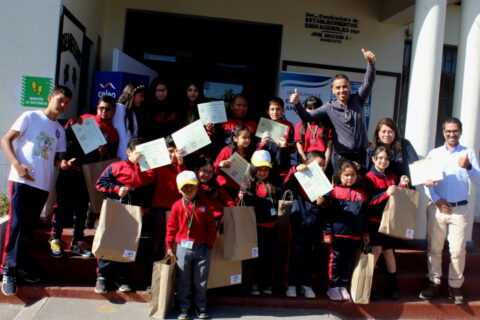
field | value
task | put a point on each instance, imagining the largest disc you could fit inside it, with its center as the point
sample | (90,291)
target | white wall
(29,34)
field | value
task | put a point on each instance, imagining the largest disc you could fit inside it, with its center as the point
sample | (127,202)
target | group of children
(195,189)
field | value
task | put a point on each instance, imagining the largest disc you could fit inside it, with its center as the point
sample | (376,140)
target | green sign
(35,91)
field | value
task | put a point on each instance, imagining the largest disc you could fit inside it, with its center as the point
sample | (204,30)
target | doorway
(226,56)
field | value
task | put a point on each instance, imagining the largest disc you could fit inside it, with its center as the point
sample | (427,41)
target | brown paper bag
(118,232)
(163,284)
(240,233)
(223,273)
(283,220)
(92,172)
(398,218)
(361,284)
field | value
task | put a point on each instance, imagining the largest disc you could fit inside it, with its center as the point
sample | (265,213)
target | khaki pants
(441,226)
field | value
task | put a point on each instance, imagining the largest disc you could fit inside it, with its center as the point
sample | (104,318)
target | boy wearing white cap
(192,228)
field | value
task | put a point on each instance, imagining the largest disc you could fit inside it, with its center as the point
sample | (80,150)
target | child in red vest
(191,228)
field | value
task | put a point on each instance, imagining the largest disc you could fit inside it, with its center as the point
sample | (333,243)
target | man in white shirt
(449,218)
(39,140)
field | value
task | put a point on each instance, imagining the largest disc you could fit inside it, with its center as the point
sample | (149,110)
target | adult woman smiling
(386,134)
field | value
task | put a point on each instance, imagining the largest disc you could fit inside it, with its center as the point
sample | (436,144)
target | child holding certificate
(72,193)
(313,136)
(263,194)
(305,221)
(121,181)
(344,228)
(191,232)
(241,144)
(380,184)
(209,189)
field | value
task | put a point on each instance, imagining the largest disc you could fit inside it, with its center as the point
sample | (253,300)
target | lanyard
(191,118)
(189,219)
(268,190)
(311,130)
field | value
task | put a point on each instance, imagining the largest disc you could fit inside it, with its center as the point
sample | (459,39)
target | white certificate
(422,170)
(313,181)
(155,154)
(238,170)
(213,112)
(191,138)
(89,135)
(273,129)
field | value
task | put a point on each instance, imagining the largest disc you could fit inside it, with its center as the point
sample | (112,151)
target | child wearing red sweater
(191,228)
(122,181)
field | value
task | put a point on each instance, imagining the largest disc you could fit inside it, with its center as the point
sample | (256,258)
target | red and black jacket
(346,217)
(376,185)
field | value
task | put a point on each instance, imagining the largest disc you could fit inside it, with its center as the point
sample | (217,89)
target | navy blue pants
(113,271)
(342,253)
(72,203)
(302,253)
(25,209)
(262,268)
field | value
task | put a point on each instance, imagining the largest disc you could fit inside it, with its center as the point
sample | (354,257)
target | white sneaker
(344,293)
(291,292)
(334,294)
(255,291)
(308,292)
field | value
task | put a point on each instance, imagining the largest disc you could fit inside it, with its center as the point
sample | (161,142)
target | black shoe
(393,291)
(202,313)
(101,285)
(432,291)
(9,285)
(27,276)
(456,295)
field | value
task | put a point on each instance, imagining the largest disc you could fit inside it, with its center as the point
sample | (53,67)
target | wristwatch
(469,167)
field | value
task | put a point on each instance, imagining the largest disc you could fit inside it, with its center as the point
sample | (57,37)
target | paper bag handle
(287,193)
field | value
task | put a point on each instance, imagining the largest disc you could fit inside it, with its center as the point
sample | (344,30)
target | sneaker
(456,295)
(255,291)
(291,292)
(149,289)
(334,294)
(344,293)
(202,313)
(27,276)
(308,292)
(183,315)
(432,291)
(56,248)
(81,249)
(268,291)
(9,285)
(124,288)
(101,285)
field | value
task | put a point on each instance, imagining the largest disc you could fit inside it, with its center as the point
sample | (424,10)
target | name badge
(273,211)
(187,244)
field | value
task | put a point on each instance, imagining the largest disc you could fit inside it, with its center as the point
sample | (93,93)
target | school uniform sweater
(223,179)
(166,190)
(346,216)
(311,141)
(216,197)
(203,226)
(376,185)
(126,174)
(259,198)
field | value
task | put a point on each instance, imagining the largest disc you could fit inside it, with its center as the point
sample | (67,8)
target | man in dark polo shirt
(345,113)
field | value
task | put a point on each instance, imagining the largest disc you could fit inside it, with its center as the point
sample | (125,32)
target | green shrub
(4,205)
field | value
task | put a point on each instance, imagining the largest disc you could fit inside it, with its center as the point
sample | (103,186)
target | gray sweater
(349,136)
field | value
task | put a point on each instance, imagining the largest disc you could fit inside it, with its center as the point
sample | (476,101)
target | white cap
(186,177)
(261,158)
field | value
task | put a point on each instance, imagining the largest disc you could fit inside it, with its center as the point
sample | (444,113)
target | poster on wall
(70,57)
(35,91)
(311,85)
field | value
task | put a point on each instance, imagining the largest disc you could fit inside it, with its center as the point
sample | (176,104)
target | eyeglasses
(451,131)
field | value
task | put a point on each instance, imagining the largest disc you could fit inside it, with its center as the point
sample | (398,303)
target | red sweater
(216,197)
(202,230)
(223,179)
(310,142)
(166,191)
(232,123)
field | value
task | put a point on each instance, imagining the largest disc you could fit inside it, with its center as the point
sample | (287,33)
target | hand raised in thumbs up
(294,97)
(369,56)
(464,163)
